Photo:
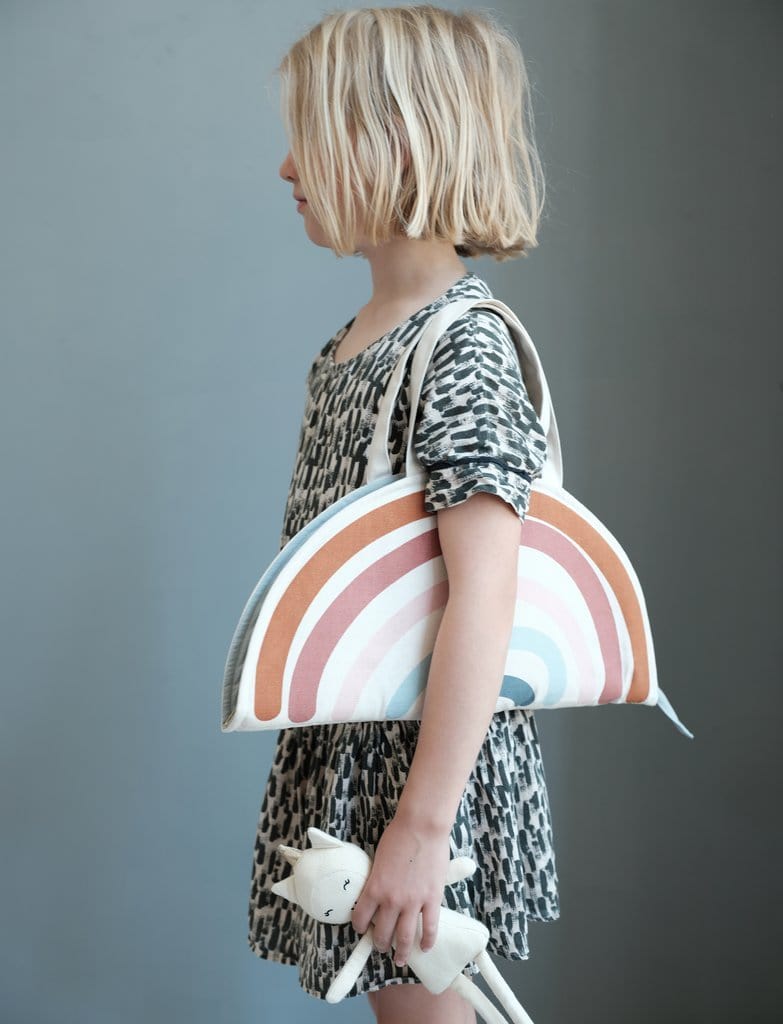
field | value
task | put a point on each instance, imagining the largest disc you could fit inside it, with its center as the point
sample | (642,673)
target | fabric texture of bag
(342,625)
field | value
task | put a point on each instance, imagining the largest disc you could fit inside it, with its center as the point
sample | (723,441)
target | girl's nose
(287,168)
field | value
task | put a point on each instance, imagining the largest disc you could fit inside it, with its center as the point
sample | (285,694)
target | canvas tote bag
(342,624)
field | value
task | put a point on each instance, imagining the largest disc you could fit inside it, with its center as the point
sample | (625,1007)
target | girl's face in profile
(312,227)
(314,231)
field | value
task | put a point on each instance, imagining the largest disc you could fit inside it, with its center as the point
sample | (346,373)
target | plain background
(161,306)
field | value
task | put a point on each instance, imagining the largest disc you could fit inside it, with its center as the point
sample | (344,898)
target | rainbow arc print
(342,625)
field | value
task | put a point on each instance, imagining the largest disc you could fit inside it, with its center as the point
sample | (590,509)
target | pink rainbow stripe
(563,550)
(343,610)
(377,577)
(305,587)
(553,605)
(379,644)
(433,599)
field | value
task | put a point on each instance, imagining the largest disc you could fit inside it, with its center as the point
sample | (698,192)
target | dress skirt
(346,779)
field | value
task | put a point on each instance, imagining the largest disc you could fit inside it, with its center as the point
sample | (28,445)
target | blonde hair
(414,120)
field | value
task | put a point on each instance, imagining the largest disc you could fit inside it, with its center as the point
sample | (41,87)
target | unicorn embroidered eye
(347,883)
(328,912)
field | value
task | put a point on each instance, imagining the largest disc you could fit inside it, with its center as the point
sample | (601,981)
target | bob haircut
(414,120)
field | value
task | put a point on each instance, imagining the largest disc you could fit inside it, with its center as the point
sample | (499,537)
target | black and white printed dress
(476,430)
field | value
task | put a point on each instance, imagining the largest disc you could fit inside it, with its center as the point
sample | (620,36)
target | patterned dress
(476,430)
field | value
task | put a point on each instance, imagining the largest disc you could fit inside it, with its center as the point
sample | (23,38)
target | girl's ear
(286,888)
(322,840)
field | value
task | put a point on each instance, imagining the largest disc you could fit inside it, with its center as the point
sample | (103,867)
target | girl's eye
(347,883)
(328,912)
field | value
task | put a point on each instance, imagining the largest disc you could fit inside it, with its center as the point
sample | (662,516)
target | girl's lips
(301,203)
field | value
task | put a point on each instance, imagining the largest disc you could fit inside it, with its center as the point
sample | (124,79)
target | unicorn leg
(499,986)
(346,977)
(473,995)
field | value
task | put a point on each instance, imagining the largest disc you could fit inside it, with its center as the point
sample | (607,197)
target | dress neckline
(439,299)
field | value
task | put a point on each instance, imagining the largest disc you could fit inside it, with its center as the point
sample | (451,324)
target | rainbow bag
(342,625)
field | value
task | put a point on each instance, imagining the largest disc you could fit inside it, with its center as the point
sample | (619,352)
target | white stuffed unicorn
(326,883)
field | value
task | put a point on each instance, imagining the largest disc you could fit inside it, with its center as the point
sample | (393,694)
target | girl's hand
(407,878)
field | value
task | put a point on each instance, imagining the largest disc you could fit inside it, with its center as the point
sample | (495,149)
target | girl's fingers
(383,925)
(429,931)
(363,913)
(404,935)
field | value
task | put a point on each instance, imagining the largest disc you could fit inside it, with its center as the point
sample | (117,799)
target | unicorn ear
(322,840)
(286,888)
(290,853)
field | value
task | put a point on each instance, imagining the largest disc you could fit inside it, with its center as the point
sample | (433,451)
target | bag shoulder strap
(421,349)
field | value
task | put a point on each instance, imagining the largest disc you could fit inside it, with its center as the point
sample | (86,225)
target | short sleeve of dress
(476,428)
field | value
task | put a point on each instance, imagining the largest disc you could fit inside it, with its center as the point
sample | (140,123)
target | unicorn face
(326,880)
(333,898)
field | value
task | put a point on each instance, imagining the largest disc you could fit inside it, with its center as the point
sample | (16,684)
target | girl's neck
(411,272)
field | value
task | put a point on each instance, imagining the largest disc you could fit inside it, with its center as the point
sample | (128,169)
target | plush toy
(326,883)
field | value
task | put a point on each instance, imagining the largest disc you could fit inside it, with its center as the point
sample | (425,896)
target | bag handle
(378,459)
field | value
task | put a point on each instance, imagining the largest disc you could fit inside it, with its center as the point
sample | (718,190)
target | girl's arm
(479,539)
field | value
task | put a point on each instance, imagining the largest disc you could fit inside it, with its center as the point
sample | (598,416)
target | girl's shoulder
(479,342)
(474,388)
(477,334)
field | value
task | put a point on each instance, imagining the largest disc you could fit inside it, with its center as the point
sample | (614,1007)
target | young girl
(411,144)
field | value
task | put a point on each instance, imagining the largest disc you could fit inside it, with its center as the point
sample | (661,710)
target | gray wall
(161,305)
